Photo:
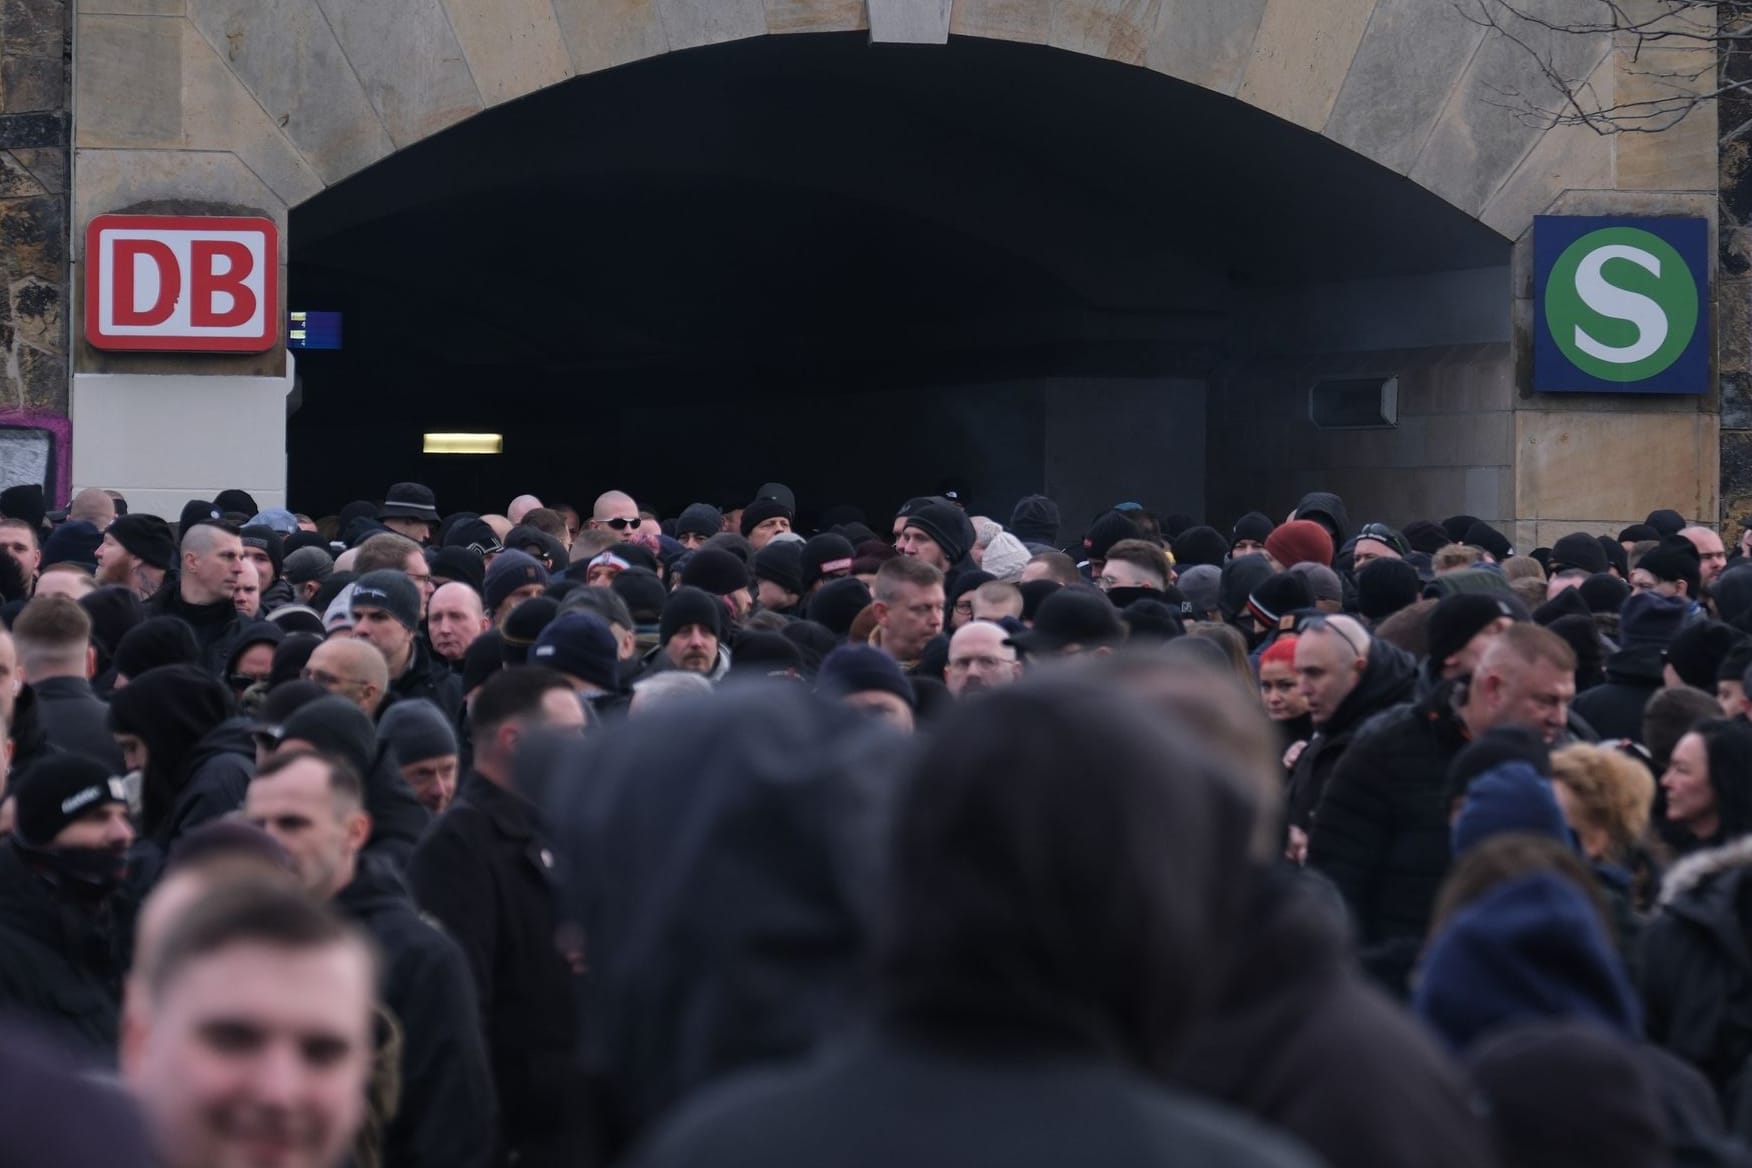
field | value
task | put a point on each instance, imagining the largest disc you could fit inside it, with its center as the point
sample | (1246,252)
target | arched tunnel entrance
(861,268)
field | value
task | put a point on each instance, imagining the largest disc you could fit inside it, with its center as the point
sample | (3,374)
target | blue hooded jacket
(1532,949)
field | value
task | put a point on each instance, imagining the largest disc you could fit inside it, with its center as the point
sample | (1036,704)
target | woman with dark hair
(1048,943)
(1708,785)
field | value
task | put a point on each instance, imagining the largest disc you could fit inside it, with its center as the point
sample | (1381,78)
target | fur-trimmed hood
(1692,872)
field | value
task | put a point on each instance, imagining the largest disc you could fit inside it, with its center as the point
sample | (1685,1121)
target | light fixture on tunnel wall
(463,444)
(1355,403)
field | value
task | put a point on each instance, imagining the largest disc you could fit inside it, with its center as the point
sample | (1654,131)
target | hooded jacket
(1389,678)
(1615,709)
(217,626)
(446,1115)
(485,871)
(1381,835)
(1327,504)
(1696,972)
(1323,1055)
(722,860)
(59,961)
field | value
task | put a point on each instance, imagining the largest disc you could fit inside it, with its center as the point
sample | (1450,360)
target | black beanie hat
(113,609)
(1670,562)
(837,604)
(1034,594)
(1737,661)
(268,540)
(236,502)
(715,570)
(1106,531)
(580,644)
(459,565)
(24,502)
(643,594)
(1580,550)
(1255,526)
(1386,586)
(1604,592)
(1457,619)
(767,655)
(159,640)
(475,535)
(1568,602)
(74,542)
(1666,522)
(1638,533)
(1425,536)
(392,591)
(689,606)
(827,552)
(1615,555)
(946,524)
(484,657)
(1696,653)
(1035,520)
(1240,577)
(524,627)
(782,563)
(1202,545)
(335,726)
(57,789)
(761,510)
(699,519)
(1278,595)
(511,570)
(1483,535)
(852,669)
(146,536)
(197,511)
(418,730)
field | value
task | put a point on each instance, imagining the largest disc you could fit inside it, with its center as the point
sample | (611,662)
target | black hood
(1389,678)
(1639,666)
(376,887)
(1036,521)
(231,736)
(1327,504)
(723,860)
(170,709)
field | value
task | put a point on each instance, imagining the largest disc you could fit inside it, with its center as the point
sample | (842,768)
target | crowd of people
(407,838)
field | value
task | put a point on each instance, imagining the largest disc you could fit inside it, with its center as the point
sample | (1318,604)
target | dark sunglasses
(620,524)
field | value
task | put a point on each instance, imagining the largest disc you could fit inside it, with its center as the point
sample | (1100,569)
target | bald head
(94,507)
(616,511)
(520,506)
(1331,657)
(351,668)
(456,617)
(980,658)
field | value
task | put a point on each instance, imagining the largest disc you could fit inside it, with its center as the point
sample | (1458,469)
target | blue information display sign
(1620,305)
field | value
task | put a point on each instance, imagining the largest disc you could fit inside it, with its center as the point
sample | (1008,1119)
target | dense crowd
(397,838)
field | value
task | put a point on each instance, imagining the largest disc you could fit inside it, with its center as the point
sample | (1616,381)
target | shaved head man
(980,658)
(456,618)
(94,507)
(616,511)
(1712,555)
(520,506)
(351,668)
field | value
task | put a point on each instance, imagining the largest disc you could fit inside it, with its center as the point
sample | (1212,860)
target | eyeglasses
(964,608)
(327,680)
(620,524)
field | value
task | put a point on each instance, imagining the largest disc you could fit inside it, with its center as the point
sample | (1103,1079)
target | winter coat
(59,963)
(446,1115)
(1615,709)
(486,873)
(1381,835)
(1388,679)
(1696,972)
(1323,1054)
(429,677)
(888,1099)
(76,720)
(218,627)
(276,596)
(57,1114)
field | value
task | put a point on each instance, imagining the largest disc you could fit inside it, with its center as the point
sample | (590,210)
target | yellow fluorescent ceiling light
(464,444)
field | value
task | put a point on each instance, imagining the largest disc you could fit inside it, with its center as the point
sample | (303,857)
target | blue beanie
(852,669)
(1510,797)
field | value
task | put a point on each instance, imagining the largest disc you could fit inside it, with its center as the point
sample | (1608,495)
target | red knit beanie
(1300,541)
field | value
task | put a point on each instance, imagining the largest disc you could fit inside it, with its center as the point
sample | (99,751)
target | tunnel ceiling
(819,196)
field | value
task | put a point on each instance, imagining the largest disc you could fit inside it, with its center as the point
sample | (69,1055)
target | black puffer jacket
(446,1114)
(1696,972)
(1615,709)
(1324,1055)
(1382,833)
(59,963)
(1388,679)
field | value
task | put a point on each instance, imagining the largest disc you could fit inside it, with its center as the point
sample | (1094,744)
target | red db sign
(188,284)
